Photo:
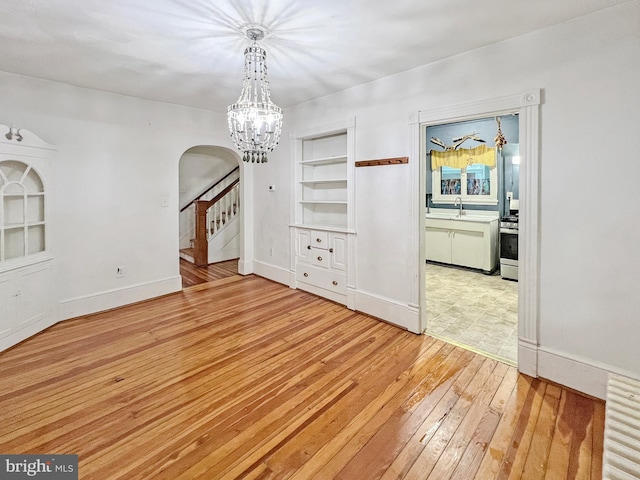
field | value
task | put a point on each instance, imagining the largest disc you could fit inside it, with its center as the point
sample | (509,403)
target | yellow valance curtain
(464,157)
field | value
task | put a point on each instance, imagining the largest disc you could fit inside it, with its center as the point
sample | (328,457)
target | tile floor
(474,310)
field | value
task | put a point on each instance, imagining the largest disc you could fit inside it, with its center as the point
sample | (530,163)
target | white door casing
(527,106)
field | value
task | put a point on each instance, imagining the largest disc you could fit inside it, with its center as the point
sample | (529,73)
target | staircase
(215,233)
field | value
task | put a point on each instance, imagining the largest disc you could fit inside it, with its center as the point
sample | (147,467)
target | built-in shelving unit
(323,181)
(25,258)
(322,227)
(22,227)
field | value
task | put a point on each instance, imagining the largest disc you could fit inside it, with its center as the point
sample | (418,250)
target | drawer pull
(319,258)
(306,274)
(308,247)
(334,282)
(319,240)
(331,250)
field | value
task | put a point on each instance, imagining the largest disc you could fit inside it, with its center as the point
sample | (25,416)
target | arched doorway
(210,216)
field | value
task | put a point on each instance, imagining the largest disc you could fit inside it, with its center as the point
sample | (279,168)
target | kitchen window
(454,174)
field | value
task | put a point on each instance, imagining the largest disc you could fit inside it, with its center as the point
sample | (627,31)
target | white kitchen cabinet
(438,241)
(469,242)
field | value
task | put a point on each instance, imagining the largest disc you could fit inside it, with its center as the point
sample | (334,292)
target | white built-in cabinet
(322,229)
(25,297)
(26,302)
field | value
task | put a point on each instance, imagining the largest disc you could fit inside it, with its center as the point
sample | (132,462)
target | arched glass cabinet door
(22,217)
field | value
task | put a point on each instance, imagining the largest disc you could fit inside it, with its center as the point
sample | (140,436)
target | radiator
(621,458)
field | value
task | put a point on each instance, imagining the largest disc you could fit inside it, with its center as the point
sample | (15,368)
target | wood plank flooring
(192,275)
(243,378)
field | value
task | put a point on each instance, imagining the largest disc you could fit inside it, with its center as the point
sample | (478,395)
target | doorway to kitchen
(471,181)
(526,107)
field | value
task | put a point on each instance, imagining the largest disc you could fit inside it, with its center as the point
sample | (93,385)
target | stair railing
(224,210)
(209,188)
(211,216)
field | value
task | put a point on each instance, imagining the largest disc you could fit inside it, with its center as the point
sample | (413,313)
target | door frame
(527,105)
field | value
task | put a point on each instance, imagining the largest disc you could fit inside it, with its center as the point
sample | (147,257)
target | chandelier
(255,122)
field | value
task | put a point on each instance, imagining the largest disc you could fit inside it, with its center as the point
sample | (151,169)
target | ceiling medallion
(255,122)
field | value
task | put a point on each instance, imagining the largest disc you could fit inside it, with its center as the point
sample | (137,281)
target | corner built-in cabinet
(25,262)
(322,228)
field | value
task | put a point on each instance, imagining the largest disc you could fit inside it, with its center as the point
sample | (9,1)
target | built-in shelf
(332,180)
(9,226)
(323,228)
(21,195)
(324,160)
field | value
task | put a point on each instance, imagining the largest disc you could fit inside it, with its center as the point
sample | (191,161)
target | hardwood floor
(192,275)
(243,378)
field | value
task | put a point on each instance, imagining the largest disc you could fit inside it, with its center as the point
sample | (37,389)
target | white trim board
(271,272)
(576,372)
(26,332)
(99,302)
(387,309)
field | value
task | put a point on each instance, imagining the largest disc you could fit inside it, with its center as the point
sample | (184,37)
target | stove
(510,221)
(509,247)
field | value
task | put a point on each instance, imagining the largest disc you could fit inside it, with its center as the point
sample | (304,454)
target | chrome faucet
(457,202)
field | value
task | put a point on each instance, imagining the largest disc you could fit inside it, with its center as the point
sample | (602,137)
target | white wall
(589,71)
(117,157)
(200,167)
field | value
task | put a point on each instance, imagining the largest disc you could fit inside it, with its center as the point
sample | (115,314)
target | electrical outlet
(119,272)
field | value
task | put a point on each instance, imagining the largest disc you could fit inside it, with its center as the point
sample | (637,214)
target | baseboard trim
(271,272)
(98,302)
(577,373)
(224,255)
(28,331)
(527,357)
(321,292)
(387,309)
(245,267)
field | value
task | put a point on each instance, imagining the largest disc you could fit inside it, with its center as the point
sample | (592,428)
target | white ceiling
(190,52)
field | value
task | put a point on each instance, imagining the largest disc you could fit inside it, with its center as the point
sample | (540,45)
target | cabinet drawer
(320,257)
(327,279)
(319,239)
